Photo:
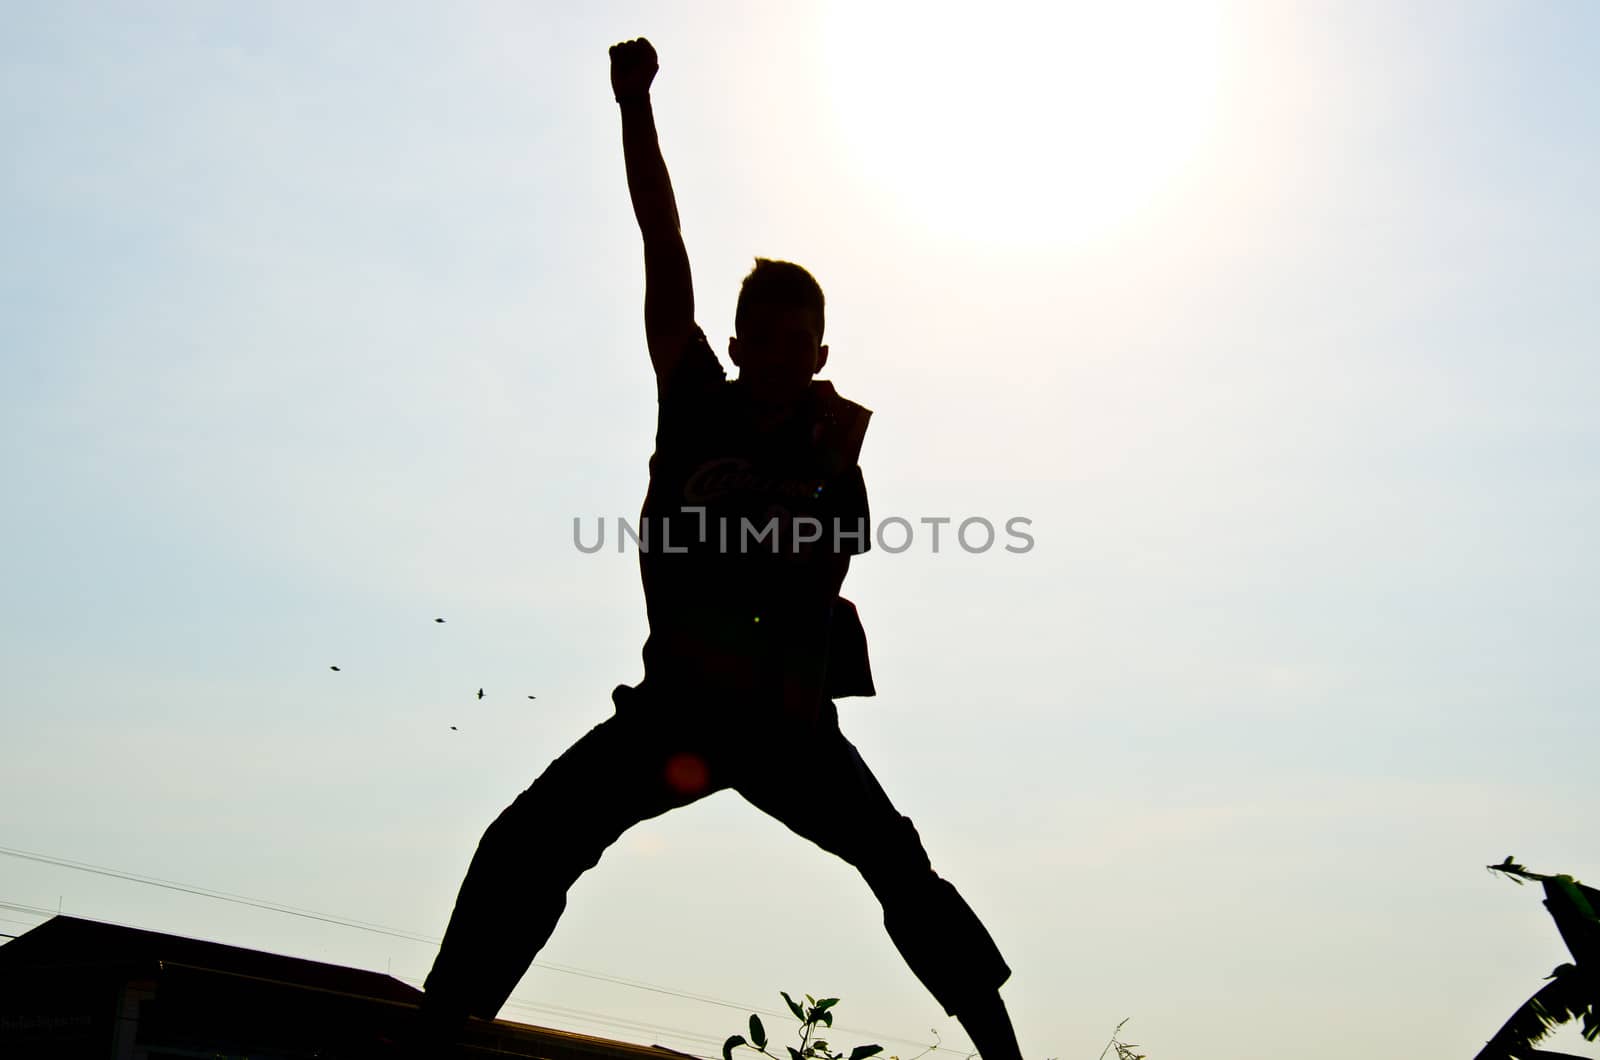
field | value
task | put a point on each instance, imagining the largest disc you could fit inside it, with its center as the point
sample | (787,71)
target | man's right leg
(625,770)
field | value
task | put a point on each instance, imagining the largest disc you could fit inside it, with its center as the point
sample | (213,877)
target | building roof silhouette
(73,987)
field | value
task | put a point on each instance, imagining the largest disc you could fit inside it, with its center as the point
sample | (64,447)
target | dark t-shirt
(745,537)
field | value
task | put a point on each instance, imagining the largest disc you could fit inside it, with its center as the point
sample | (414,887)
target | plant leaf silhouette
(1567,997)
(1574,990)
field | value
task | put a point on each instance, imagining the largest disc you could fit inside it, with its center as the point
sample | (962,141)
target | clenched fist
(633,67)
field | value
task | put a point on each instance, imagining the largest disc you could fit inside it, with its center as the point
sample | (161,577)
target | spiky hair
(778,284)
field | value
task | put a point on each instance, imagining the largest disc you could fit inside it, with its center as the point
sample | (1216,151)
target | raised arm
(668,288)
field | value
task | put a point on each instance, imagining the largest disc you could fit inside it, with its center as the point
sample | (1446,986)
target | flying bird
(1513,871)
(454,729)
(438,620)
(335,669)
(480,693)
(533,697)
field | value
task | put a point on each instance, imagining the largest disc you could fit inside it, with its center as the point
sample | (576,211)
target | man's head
(778,324)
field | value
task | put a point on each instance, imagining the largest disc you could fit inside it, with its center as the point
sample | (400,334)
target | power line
(515,1001)
(223,896)
(14,907)
(380,929)
(330,918)
(616,1022)
(522,1003)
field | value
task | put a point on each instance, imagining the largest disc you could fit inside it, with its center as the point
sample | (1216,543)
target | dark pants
(651,757)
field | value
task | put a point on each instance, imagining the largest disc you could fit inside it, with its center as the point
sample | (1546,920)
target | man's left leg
(842,808)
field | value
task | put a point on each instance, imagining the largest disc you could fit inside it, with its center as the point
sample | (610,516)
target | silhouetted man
(755,505)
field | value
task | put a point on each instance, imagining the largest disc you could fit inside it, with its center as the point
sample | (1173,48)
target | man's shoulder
(694,371)
(841,423)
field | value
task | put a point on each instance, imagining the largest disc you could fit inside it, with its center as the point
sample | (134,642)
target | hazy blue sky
(1277,320)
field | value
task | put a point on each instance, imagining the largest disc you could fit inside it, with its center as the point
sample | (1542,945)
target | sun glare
(1024,123)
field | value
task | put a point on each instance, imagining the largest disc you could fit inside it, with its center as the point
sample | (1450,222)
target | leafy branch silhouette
(813,1017)
(1124,1049)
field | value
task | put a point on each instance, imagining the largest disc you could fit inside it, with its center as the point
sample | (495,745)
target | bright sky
(1277,320)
